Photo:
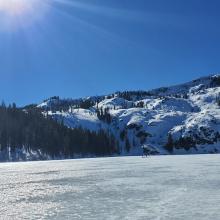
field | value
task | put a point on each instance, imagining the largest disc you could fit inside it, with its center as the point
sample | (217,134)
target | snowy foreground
(160,187)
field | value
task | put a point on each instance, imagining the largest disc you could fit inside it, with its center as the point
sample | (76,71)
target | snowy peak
(182,89)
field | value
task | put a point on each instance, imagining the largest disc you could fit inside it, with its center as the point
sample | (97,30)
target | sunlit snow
(160,187)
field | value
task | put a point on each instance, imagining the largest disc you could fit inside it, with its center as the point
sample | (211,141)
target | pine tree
(31,130)
(170,144)
(127,145)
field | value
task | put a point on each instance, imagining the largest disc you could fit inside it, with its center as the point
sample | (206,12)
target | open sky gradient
(77,48)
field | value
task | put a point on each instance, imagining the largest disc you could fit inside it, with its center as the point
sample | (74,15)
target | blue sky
(77,48)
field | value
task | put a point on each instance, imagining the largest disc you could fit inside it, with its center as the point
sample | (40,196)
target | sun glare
(16,14)
(15,7)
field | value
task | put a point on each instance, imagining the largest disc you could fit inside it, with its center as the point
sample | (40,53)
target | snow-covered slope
(204,82)
(177,119)
(84,118)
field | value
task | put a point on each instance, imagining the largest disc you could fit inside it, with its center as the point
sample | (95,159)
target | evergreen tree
(30,129)
(127,145)
(170,144)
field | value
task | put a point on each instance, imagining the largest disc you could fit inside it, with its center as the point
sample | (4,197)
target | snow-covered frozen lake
(160,187)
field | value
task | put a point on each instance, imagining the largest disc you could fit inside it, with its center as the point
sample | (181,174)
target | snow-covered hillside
(178,119)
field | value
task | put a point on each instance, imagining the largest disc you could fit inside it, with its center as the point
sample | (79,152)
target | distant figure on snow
(146,151)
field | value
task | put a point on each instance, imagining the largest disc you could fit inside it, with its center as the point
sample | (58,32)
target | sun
(16,7)
(17,14)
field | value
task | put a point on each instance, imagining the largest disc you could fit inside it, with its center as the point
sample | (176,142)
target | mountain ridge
(178,119)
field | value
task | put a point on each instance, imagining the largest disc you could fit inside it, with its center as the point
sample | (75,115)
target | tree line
(28,129)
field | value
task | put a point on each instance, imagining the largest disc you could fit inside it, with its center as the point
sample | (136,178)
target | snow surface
(159,187)
(83,118)
(115,103)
